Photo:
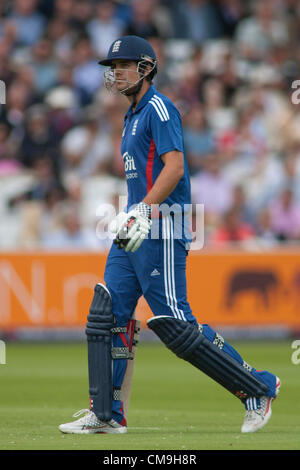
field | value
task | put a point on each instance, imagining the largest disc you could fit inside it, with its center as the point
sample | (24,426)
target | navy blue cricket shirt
(154,128)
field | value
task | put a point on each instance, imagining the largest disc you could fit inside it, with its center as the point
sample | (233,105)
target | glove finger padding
(138,243)
(139,224)
(133,239)
(132,228)
(138,233)
(117,222)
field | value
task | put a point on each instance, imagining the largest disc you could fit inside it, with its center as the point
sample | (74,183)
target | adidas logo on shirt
(155,272)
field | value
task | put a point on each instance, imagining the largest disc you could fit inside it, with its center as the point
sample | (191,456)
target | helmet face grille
(143,65)
(143,69)
(109,80)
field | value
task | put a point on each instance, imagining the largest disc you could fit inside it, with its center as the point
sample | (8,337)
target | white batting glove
(132,228)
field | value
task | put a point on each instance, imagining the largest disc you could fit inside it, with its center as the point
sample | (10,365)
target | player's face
(126,75)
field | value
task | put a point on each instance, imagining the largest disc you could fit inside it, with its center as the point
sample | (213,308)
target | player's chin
(127,89)
(122,85)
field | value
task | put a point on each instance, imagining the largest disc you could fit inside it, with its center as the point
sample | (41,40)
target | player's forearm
(165,183)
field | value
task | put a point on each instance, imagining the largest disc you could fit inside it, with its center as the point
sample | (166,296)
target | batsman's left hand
(132,228)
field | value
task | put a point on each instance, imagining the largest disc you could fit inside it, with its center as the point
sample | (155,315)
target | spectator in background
(35,204)
(245,146)
(263,228)
(114,127)
(87,77)
(44,180)
(44,65)
(195,63)
(257,35)
(285,216)
(3,9)
(251,140)
(104,27)
(63,9)
(219,115)
(86,148)
(71,235)
(82,12)
(211,188)
(231,13)
(27,21)
(198,138)
(8,163)
(24,73)
(260,181)
(163,78)
(65,79)
(62,39)
(18,97)
(142,20)
(63,109)
(6,72)
(190,84)
(290,172)
(198,20)
(228,73)
(38,139)
(39,216)
(232,229)
(240,205)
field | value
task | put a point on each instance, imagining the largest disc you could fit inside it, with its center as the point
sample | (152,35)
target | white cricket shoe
(256,419)
(90,424)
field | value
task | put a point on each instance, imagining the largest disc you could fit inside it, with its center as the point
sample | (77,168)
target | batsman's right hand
(131,229)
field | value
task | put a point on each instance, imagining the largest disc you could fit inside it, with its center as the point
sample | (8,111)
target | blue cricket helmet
(131,48)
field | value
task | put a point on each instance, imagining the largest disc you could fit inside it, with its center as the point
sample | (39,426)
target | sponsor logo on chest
(128,162)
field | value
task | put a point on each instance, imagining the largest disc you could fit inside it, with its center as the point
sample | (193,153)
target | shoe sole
(269,411)
(121,430)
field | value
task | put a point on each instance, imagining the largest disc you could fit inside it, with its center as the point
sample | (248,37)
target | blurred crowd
(230,66)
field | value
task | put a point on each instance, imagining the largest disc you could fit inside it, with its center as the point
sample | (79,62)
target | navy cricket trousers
(157,270)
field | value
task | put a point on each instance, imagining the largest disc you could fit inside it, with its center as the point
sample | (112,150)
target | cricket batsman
(148,257)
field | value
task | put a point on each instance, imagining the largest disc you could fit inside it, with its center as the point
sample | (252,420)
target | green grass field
(173,406)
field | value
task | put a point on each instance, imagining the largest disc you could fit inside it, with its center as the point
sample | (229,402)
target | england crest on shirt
(134,127)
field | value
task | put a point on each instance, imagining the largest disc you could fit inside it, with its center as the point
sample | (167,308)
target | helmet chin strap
(136,89)
(134,92)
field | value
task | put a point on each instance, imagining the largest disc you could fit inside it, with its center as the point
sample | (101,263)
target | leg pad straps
(189,343)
